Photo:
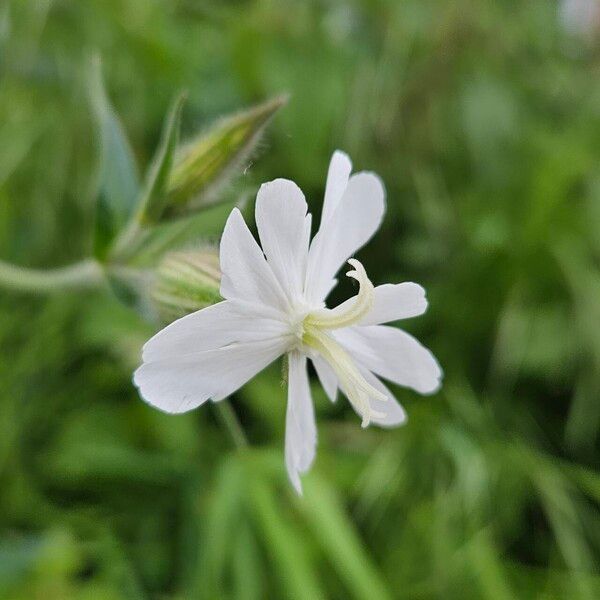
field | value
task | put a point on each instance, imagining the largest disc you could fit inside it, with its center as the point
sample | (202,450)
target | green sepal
(153,198)
(185,282)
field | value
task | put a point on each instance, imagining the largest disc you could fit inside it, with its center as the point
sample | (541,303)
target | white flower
(275,305)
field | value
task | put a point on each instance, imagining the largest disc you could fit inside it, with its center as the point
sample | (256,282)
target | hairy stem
(85,274)
(231,422)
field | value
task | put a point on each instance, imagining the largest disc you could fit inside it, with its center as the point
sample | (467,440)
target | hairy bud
(185,282)
(203,165)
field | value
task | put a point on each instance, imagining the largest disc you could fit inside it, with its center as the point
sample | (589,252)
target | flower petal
(392,302)
(213,327)
(246,275)
(326,376)
(179,384)
(392,411)
(338,174)
(352,224)
(393,354)
(284,230)
(300,426)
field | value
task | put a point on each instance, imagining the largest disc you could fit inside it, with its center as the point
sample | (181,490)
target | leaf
(485,558)
(248,572)
(17,140)
(219,522)
(338,536)
(118,185)
(205,164)
(53,554)
(153,198)
(17,558)
(285,545)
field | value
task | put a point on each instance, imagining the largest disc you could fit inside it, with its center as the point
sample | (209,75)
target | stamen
(353,384)
(348,313)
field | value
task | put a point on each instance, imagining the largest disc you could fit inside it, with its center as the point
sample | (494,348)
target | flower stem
(231,422)
(127,240)
(85,274)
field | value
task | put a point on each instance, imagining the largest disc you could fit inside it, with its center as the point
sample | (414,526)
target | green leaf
(53,554)
(220,523)
(338,536)
(118,185)
(248,571)
(285,544)
(154,242)
(153,198)
(202,166)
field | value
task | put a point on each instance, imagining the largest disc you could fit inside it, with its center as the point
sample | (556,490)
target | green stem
(127,242)
(85,274)
(231,422)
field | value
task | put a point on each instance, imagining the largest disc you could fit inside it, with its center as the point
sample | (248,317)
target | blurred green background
(483,118)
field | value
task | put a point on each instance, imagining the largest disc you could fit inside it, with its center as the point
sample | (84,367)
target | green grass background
(483,118)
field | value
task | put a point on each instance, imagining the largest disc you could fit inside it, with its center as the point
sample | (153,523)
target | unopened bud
(202,166)
(186,281)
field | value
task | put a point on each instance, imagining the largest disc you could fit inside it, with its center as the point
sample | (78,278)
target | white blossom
(274,304)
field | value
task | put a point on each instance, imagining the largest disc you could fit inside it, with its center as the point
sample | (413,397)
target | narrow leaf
(219,524)
(118,185)
(153,198)
(248,571)
(284,543)
(133,287)
(338,536)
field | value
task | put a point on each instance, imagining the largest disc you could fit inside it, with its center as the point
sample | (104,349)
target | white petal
(284,235)
(326,376)
(179,384)
(392,302)
(340,168)
(353,223)
(393,354)
(300,427)
(393,413)
(213,327)
(246,275)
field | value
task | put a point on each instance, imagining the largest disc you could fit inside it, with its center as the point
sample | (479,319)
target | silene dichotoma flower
(274,305)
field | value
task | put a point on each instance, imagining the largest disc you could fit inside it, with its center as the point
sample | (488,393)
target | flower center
(315,325)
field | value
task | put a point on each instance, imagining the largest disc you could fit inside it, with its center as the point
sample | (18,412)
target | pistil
(343,315)
(353,384)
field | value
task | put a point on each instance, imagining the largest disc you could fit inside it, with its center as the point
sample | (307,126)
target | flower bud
(186,281)
(202,166)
